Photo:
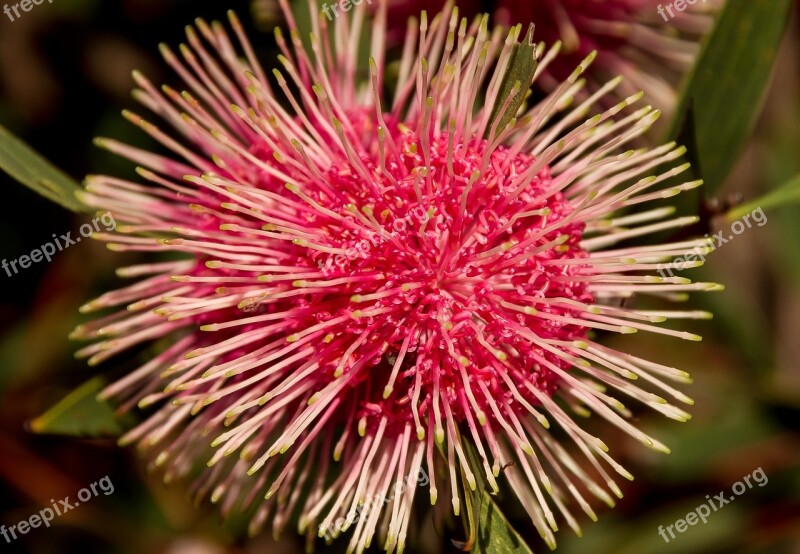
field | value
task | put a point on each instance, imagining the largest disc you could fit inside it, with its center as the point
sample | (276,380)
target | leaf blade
(784,195)
(28,167)
(728,82)
(495,533)
(519,75)
(492,532)
(81,414)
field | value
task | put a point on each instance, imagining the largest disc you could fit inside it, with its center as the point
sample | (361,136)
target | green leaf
(727,83)
(29,168)
(784,195)
(519,75)
(81,414)
(492,533)
(495,533)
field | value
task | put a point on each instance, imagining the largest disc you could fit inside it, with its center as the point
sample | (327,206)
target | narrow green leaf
(81,414)
(728,81)
(495,533)
(521,68)
(687,136)
(492,533)
(784,195)
(28,167)
(688,203)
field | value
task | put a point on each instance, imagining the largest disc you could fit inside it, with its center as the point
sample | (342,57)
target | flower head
(364,278)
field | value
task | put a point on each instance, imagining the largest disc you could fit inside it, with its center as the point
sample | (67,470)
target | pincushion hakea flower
(648,42)
(322,386)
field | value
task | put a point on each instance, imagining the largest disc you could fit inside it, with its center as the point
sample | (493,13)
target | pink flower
(475,325)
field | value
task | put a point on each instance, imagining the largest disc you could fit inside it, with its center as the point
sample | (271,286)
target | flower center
(444,257)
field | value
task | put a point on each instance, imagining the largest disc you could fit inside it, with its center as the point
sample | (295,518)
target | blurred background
(64,77)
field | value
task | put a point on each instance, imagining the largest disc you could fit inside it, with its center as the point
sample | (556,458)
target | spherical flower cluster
(473,329)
